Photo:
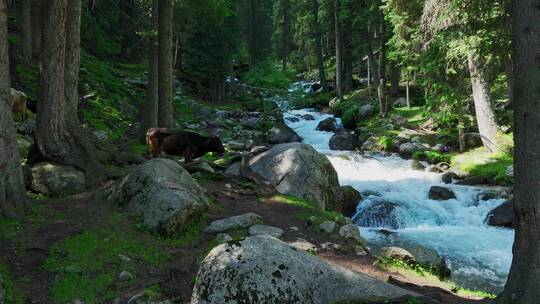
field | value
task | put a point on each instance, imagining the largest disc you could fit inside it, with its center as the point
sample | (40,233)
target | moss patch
(88,264)
(479,162)
(12,295)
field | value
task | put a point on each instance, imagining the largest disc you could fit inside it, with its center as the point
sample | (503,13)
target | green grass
(414,115)
(191,233)
(479,162)
(389,264)
(113,100)
(310,209)
(9,229)
(12,295)
(88,264)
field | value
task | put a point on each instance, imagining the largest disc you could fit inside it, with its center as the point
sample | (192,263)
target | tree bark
(394,80)
(318,44)
(461,130)
(165,62)
(149,117)
(408,90)
(339,51)
(26,33)
(37,32)
(510,81)
(347,56)
(285,35)
(59,136)
(381,88)
(485,114)
(523,285)
(12,191)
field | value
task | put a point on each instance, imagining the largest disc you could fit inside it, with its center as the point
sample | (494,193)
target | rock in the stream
(441,193)
(57,180)
(262,269)
(299,170)
(234,222)
(449,177)
(417,165)
(163,193)
(379,213)
(350,200)
(329,125)
(282,134)
(343,141)
(473,181)
(328,226)
(502,216)
(265,230)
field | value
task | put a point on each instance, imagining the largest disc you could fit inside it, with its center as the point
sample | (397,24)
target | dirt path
(54,221)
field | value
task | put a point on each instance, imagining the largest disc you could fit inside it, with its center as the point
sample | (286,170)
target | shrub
(419,155)
(386,142)
(266,75)
(349,117)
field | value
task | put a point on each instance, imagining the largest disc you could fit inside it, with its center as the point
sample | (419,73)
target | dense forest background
(433,80)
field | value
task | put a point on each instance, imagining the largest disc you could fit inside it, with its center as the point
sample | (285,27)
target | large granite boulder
(262,269)
(281,134)
(299,170)
(57,180)
(162,193)
(502,216)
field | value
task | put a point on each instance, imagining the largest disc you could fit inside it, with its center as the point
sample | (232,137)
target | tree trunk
(347,56)
(368,61)
(339,51)
(217,90)
(318,44)
(285,35)
(408,91)
(485,115)
(12,191)
(381,88)
(461,130)
(510,81)
(59,136)
(394,80)
(37,16)
(26,33)
(149,117)
(523,285)
(165,62)
(177,53)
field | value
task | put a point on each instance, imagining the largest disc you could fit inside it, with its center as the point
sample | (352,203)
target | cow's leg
(189,154)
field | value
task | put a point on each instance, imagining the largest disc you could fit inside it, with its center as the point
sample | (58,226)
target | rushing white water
(478,255)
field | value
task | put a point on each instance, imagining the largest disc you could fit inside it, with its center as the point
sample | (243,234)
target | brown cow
(188,144)
(18,101)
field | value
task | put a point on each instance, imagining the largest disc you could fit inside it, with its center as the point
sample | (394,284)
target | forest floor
(76,248)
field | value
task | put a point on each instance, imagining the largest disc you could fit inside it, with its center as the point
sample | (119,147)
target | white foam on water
(479,255)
